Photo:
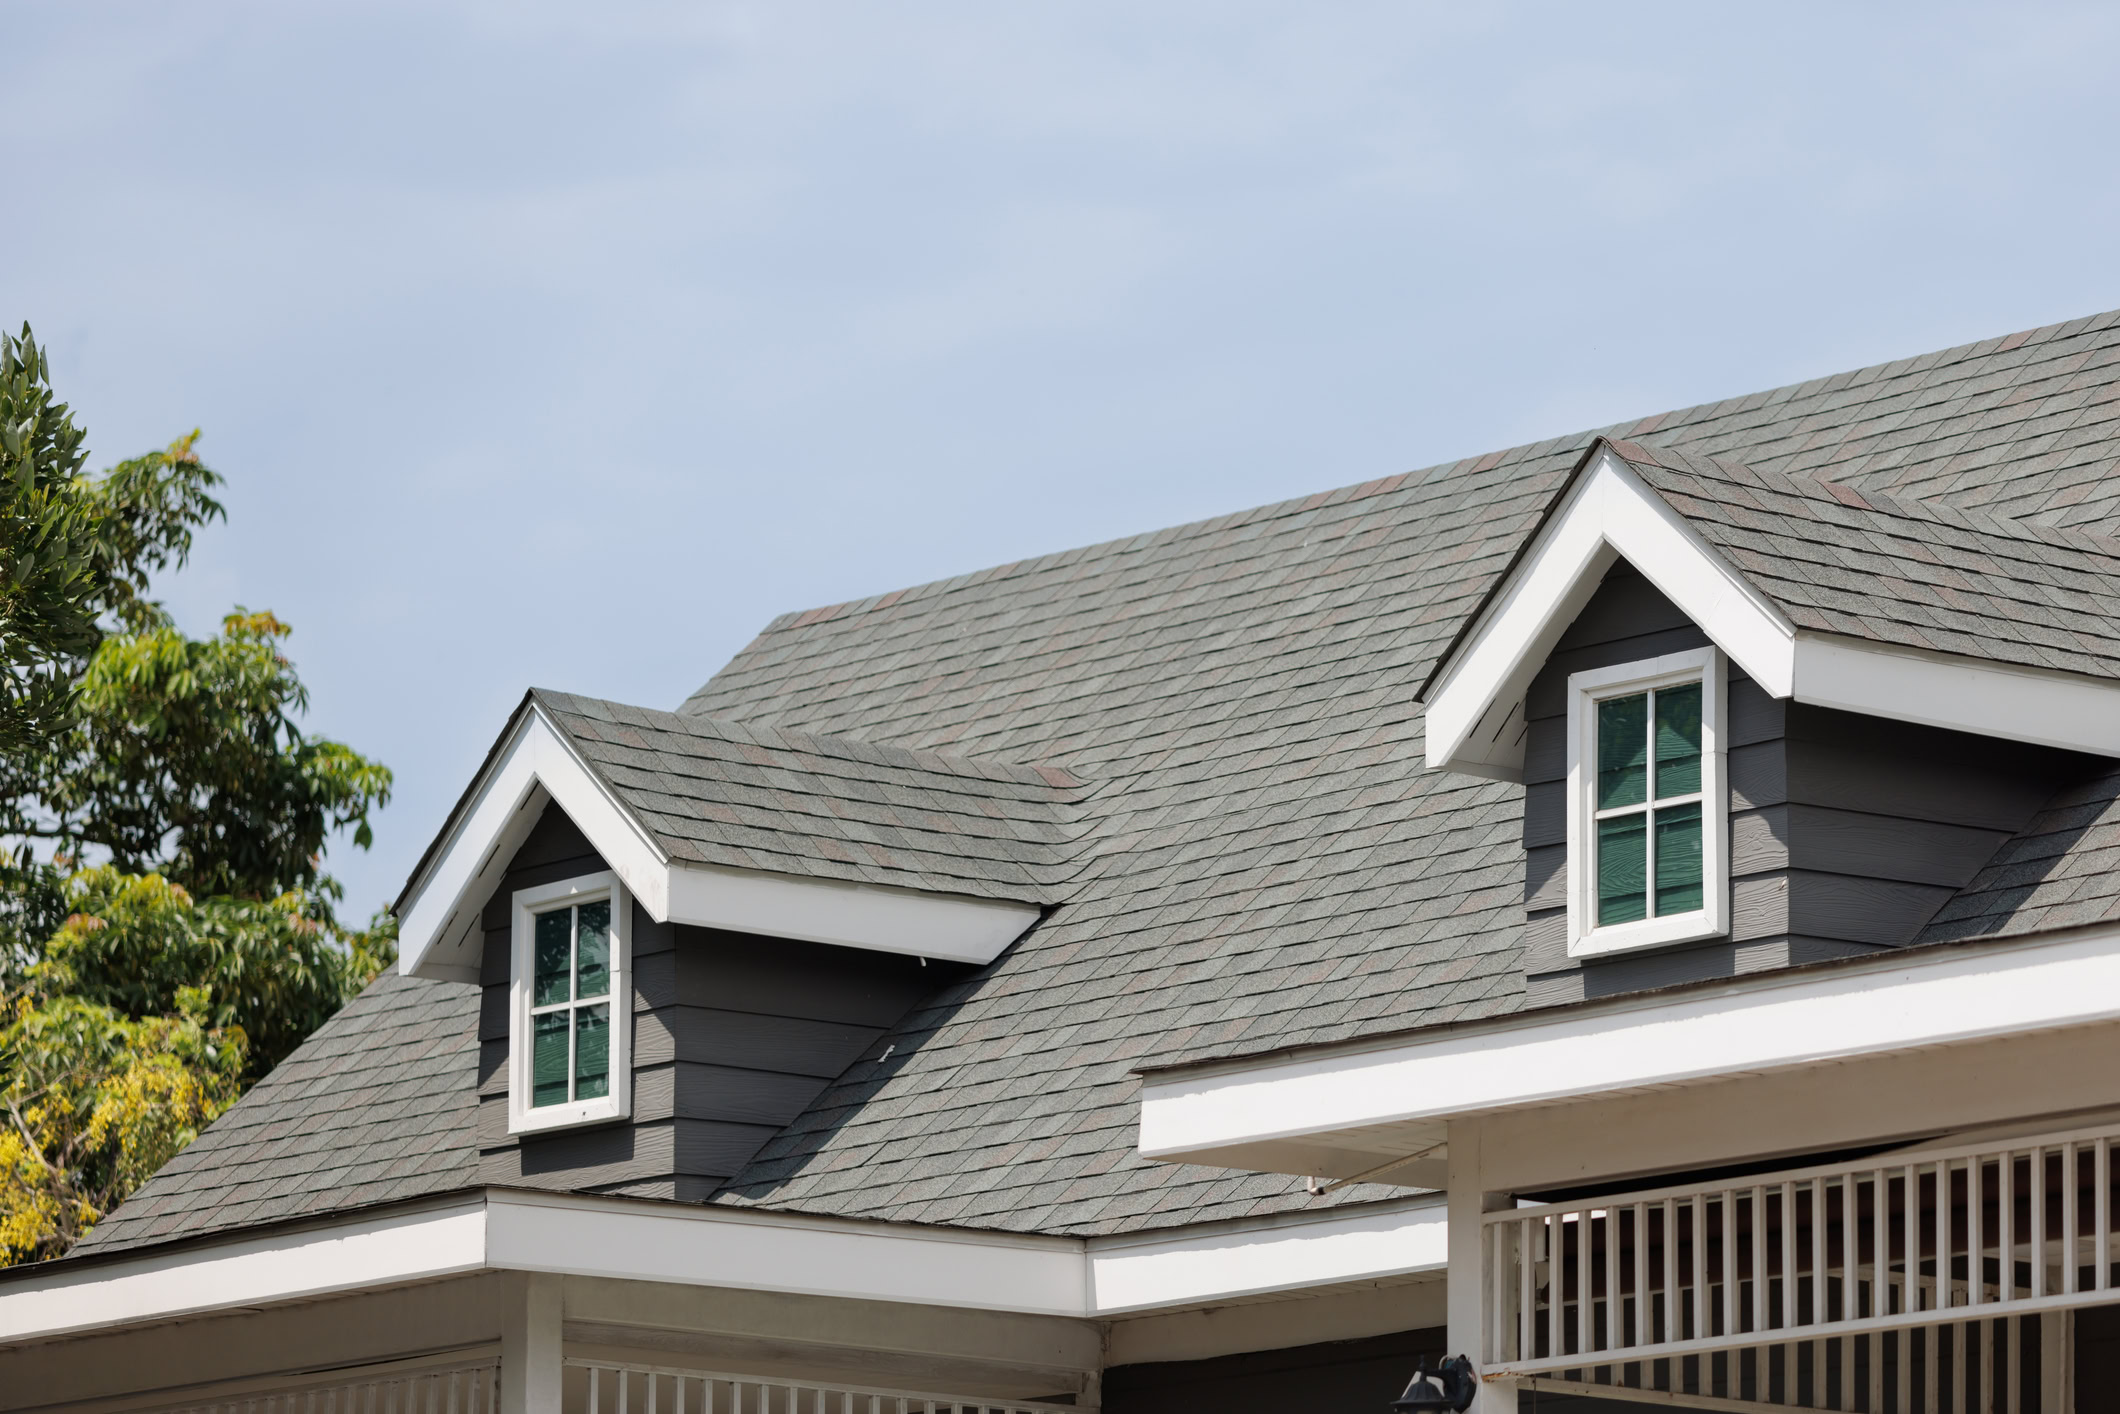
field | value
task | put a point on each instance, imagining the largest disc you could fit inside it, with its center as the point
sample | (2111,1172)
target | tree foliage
(167,930)
(93,1102)
(274,969)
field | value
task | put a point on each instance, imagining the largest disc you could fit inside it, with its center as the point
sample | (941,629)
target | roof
(376,1106)
(1835,559)
(726,793)
(1266,862)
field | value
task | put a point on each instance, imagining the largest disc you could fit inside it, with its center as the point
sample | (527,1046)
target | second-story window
(1648,854)
(567,1036)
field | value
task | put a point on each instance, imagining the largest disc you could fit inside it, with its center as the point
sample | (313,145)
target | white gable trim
(1284,1111)
(440,936)
(1475,718)
(1475,715)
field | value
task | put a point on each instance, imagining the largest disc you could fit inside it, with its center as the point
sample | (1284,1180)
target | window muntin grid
(570,1003)
(1647,847)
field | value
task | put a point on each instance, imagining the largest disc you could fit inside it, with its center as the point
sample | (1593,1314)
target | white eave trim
(1475,719)
(440,936)
(1244,1116)
(581,1235)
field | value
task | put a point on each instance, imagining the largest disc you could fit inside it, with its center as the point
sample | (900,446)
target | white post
(1467,1299)
(2057,1362)
(530,1346)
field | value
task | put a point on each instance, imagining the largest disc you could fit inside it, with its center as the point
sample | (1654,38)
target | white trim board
(587,1236)
(1280,1114)
(441,937)
(246,1271)
(1475,712)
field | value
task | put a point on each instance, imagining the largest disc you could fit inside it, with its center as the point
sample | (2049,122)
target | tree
(167,930)
(92,1103)
(74,550)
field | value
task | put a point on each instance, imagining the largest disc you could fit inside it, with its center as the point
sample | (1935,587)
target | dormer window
(1648,818)
(567,1039)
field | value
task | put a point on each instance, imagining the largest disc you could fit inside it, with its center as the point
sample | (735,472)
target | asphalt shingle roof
(1266,861)
(378,1105)
(758,797)
(1870,565)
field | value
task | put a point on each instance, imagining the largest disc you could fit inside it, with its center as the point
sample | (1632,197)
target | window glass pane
(593,950)
(1622,750)
(592,1052)
(1622,866)
(552,939)
(1678,870)
(548,1058)
(1678,740)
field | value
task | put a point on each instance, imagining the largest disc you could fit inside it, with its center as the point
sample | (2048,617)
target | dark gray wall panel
(1847,832)
(733,1037)
(710,1036)
(1358,1376)
(784,977)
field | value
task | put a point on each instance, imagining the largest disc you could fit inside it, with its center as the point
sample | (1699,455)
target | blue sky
(566,345)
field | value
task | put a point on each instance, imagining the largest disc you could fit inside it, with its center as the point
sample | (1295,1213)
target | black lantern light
(1449,1385)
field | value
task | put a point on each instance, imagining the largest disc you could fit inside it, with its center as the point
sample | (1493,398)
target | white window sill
(576,1114)
(1692,927)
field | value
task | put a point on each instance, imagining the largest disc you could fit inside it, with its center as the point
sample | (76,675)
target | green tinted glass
(1622,868)
(1678,869)
(1678,741)
(592,1052)
(593,950)
(1622,750)
(548,1059)
(552,941)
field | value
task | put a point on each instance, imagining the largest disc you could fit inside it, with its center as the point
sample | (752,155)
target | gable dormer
(684,929)
(1740,746)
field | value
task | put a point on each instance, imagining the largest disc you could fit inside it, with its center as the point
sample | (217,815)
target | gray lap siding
(1847,832)
(733,1037)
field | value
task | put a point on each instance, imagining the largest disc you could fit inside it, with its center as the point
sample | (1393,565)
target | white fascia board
(440,936)
(581,1236)
(1964,694)
(636,1240)
(1240,1114)
(312,1262)
(951,926)
(1609,513)
(1166,1270)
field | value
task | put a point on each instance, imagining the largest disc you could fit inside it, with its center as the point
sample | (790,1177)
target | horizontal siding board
(1852,762)
(1548,694)
(783,977)
(741,1039)
(1626,605)
(718,1148)
(1885,912)
(1885,847)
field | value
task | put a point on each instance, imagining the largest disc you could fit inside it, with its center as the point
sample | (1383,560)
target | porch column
(530,1346)
(1467,1298)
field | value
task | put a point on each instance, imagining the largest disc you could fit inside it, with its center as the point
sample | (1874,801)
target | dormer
(1762,720)
(685,928)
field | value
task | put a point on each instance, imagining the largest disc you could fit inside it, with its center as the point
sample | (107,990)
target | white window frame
(1585,690)
(523,1118)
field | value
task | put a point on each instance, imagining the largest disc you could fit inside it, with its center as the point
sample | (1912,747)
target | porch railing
(1869,1285)
(609,1387)
(457,1389)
